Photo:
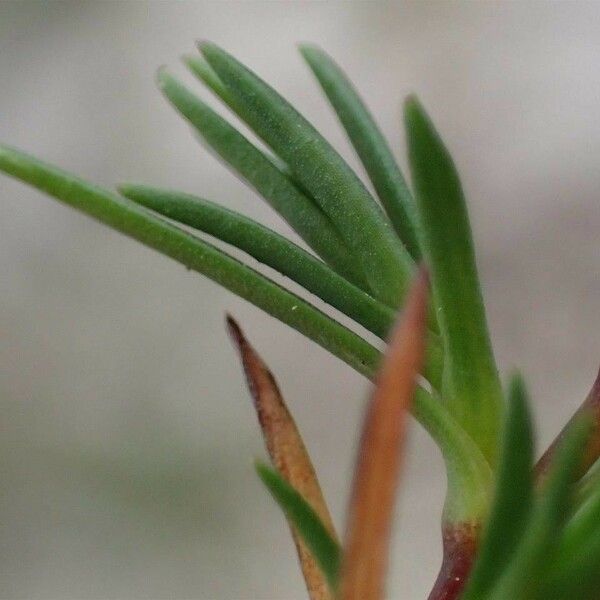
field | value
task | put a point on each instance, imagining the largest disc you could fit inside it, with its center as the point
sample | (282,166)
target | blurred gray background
(126,432)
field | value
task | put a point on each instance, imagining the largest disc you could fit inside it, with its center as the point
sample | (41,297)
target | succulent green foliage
(513,495)
(536,545)
(523,576)
(335,214)
(196,254)
(588,484)
(282,255)
(137,222)
(324,548)
(303,215)
(204,72)
(370,145)
(270,249)
(471,385)
(321,170)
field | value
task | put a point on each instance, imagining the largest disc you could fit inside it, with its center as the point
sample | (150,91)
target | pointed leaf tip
(161,75)
(370,516)
(286,449)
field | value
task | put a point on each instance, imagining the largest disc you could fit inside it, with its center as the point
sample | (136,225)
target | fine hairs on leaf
(268,248)
(322,171)
(510,530)
(370,145)
(284,256)
(301,212)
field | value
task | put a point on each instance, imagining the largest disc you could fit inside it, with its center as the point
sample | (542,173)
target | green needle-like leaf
(203,71)
(324,548)
(282,255)
(322,171)
(139,223)
(513,496)
(268,248)
(523,578)
(473,391)
(370,145)
(303,215)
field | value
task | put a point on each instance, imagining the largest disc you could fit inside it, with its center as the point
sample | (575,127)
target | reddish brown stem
(460,546)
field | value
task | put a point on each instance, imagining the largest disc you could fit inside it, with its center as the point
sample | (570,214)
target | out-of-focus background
(126,432)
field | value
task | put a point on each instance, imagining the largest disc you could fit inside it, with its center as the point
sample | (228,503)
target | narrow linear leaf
(303,215)
(575,570)
(365,558)
(287,451)
(323,547)
(322,171)
(279,253)
(203,71)
(268,248)
(369,143)
(513,496)
(590,406)
(474,393)
(140,224)
(522,579)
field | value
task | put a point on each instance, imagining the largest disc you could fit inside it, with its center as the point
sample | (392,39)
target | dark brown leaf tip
(256,371)
(235,331)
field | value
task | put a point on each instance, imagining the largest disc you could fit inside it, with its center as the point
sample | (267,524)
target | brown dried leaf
(364,563)
(287,451)
(591,405)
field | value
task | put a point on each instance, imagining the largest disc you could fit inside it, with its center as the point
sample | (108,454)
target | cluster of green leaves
(540,540)
(364,255)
